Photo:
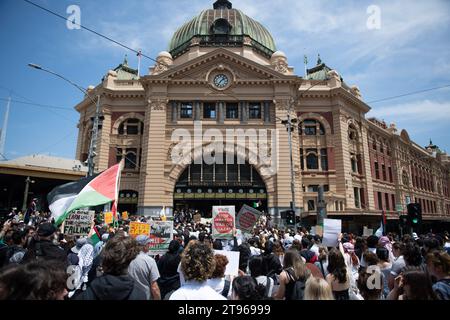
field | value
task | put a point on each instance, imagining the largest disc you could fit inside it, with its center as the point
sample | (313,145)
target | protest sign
(79,223)
(223,222)
(139,228)
(161,233)
(367,232)
(232,268)
(197,217)
(247,218)
(108,217)
(125,215)
(331,230)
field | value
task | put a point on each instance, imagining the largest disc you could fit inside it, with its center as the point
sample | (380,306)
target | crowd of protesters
(38,262)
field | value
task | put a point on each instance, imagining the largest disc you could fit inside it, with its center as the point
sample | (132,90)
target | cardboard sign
(331,230)
(139,228)
(79,223)
(367,232)
(161,233)
(232,268)
(197,217)
(223,222)
(125,215)
(108,216)
(247,218)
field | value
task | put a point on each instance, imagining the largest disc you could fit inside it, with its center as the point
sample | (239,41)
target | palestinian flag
(100,189)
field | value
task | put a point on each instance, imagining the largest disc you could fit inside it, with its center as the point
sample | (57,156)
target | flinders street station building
(223,72)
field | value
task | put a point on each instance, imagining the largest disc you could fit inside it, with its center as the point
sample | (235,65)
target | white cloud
(425,111)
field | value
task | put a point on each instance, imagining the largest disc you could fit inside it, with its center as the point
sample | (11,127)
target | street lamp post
(94,136)
(25,194)
(289,125)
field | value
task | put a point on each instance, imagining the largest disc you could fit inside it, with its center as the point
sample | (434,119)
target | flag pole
(139,63)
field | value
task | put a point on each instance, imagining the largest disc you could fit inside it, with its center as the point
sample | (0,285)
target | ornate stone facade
(364,165)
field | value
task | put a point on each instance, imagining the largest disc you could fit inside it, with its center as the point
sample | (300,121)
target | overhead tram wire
(38,105)
(408,94)
(165,65)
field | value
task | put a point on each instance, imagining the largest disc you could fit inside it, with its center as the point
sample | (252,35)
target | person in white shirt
(218,281)
(197,266)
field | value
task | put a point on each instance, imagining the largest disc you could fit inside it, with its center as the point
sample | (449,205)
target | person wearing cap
(144,271)
(42,246)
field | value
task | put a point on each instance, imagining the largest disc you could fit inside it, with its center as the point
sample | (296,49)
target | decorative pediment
(199,69)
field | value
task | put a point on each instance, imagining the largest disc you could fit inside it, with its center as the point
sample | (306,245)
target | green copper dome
(222,26)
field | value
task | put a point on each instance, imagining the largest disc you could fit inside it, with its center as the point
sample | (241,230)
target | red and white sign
(223,222)
(247,218)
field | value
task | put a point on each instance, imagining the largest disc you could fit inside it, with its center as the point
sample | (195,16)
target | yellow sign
(108,217)
(138,228)
(125,215)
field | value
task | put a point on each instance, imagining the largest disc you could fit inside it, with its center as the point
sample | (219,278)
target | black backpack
(298,290)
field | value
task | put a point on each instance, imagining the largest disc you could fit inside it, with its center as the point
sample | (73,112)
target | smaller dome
(164,54)
(279,54)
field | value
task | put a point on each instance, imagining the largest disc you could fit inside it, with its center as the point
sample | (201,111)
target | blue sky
(411,51)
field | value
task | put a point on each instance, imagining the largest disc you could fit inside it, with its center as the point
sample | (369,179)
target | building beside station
(223,69)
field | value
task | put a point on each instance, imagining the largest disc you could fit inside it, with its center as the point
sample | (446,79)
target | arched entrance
(201,186)
(128,201)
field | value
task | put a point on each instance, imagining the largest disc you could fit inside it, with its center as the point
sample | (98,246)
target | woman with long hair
(317,289)
(294,270)
(412,284)
(338,277)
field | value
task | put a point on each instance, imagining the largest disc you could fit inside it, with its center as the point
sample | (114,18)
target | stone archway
(266,175)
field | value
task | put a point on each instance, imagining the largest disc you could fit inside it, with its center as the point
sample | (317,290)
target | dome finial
(125,60)
(319,61)
(222,4)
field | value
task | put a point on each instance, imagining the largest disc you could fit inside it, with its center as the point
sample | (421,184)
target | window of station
(254,110)
(209,110)
(232,111)
(131,127)
(186,110)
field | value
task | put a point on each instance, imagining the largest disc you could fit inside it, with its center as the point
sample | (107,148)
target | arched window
(352,133)
(311,127)
(221,27)
(131,127)
(131,157)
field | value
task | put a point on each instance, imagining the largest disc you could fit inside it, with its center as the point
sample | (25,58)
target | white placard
(331,230)
(232,268)
(367,232)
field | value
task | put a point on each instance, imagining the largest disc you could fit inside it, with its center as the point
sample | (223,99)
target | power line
(91,30)
(38,105)
(408,94)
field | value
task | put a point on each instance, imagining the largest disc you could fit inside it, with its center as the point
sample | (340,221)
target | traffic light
(290,217)
(403,221)
(414,214)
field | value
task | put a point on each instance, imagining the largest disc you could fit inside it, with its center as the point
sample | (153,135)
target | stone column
(365,159)
(197,111)
(344,184)
(266,112)
(221,112)
(174,112)
(243,110)
(152,182)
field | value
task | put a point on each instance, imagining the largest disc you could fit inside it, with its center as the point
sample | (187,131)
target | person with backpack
(256,267)
(438,265)
(16,251)
(293,277)
(218,281)
(43,247)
